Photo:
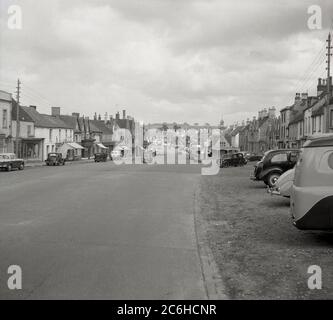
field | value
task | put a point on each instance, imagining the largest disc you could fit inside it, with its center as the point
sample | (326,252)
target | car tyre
(9,168)
(21,167)
(272,178)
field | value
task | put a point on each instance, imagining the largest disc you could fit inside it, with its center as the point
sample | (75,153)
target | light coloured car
(312,191)
(8,161)
(283,185)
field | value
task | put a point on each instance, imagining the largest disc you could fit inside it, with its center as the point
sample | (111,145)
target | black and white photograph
(163,150)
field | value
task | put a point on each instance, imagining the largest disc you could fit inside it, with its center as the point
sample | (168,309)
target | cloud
(163,60)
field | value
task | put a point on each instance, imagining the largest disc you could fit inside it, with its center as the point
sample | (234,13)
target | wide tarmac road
(100,231)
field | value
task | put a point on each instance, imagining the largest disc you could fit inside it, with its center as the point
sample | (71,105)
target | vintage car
(233,160)
(55,159)
(251,157)
(283,185)
(312,191)
(274,164)
(8,161)
(101,157)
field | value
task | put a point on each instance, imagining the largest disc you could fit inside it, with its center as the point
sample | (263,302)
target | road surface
(100,231)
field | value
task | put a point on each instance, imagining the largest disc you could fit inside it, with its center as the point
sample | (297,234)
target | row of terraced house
(308,116)
(75,135)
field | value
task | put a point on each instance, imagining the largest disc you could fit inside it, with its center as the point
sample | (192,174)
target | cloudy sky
(163,60)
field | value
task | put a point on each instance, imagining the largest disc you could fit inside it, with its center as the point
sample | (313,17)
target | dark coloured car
(8,161)
(251,157)
(55,159)
(274,164)
(234,160)
(101,157)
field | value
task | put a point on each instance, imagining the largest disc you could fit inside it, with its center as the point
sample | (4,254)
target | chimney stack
(99,117)
(117,116)
(76,114)
(55,111)
(271,112)
(33,107)
(124,114)
(95,116)
(304,96)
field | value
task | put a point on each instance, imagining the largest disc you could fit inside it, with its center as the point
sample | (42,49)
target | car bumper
(274,191)
(253,177)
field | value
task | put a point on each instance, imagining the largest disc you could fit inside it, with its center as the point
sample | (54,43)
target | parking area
(259,253)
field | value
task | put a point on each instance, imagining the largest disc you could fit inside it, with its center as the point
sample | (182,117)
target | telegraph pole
(18,91)
(328,68)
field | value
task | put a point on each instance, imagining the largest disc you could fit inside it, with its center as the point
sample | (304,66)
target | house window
(50,135)
(4,118)
(331,118)
(314,124)
(59,135)
(29,128)
(319,127)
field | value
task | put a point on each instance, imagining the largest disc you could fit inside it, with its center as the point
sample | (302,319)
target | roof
(93,126)
(299,116)
(286,108)
(45,120)
(237,130)
(70,121)
(325,141)
(100,126)
(22,114)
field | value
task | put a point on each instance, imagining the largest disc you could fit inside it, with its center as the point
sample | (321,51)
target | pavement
(33,164)
(101,231)
(258,251)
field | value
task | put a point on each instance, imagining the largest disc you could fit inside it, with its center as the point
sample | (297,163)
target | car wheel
(272,178)
(21,167)
(9,168)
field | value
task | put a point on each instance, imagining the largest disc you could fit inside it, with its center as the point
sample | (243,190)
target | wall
(24,129)
(58,136)
(6,144)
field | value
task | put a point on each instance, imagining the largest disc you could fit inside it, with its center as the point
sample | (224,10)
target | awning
(75,145)
(68,146)
(102,146)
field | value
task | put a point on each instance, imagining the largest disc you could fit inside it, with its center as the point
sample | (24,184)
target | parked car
(274,164)
(8,161)
(101,157)
(251,157)
(55,159)
(283,185)
(233,160)
(312,191)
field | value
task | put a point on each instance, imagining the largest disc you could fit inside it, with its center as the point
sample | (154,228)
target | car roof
(7,154)
(281,150)
(326,141)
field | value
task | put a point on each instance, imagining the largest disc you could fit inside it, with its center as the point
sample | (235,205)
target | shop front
(31,149)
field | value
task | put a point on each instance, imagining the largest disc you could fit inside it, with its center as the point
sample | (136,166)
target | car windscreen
(3,157)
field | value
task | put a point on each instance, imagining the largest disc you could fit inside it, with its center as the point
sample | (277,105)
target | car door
(292,159)
(13,162)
